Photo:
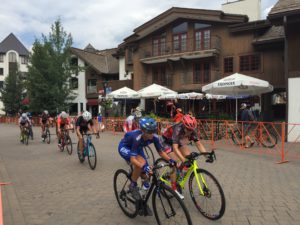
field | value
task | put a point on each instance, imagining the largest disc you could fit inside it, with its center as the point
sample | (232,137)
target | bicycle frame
(86,144)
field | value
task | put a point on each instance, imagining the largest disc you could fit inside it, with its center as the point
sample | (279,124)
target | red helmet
(189,122)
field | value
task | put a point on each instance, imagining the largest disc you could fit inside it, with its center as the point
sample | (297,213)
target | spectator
(178,116)
(246,116)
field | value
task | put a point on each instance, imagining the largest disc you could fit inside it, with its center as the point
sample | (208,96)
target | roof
(253,25)
(176,13)
(285,7)
(13,43)
(102,61)
(275,33)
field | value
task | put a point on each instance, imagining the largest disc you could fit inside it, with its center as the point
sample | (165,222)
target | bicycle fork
(195,168)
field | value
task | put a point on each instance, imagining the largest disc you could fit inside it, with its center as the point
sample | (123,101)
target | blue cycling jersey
(133,140)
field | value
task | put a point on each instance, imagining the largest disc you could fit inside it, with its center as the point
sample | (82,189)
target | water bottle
(144,189)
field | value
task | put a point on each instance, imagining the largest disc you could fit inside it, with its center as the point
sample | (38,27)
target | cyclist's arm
(177,152)
(200,147)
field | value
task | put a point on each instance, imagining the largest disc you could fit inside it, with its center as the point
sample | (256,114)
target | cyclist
(31,124)
(132,121)
(23,122)
(177,137)
(84,124)
(178,116)
(44,120)
(63,122)
(131,149)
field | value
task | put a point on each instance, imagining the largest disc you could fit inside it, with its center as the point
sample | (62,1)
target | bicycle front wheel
(92,157)
(125,200)
(68,144)
(47,136)
(211,204)
(237,138)
(26,137)
(168,207)
(268,140)
(149,155)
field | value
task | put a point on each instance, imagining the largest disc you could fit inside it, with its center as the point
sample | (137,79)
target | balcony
(188,49)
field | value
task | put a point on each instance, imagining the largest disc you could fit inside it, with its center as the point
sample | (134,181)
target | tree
(50,70)
(12,92)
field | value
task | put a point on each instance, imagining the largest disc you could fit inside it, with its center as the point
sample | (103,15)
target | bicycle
(166,204)
(25,135)
(46,134)
(203,186)
(66,141)
(89,151)
(261,136)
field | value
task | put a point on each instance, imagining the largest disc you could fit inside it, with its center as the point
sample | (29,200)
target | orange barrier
(1,208)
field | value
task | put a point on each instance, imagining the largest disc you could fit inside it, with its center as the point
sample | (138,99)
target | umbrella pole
(236,110)
(125,108)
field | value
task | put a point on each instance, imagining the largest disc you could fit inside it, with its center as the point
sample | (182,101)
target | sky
(102,23)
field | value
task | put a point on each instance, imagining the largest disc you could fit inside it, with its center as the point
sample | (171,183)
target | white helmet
(86,115)
(137,113)
(46,112)
(64,115)
(24,115)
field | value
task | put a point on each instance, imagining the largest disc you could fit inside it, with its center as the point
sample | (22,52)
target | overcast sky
(103,23)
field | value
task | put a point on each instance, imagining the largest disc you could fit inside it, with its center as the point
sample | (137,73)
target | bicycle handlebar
(194,155)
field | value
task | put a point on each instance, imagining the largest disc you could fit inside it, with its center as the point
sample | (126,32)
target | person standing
(247,116)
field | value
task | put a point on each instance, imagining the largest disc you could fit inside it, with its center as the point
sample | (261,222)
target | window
(1,58)
(228,65)
(74,61)
(159,45)
(180,37)
(73,83)
(92,86)
(159,75)
(24,60)
(201,73)
(12,57)
(1,71)
(202,40)
(249,63)
(1,84)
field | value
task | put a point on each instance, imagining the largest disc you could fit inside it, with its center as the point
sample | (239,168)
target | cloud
(103,23)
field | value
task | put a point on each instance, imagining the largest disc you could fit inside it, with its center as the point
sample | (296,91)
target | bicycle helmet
(46,112)
(86,115)
(29,115)
(137,113)
(189,122)
(24,115)
(148,125)
(64,115)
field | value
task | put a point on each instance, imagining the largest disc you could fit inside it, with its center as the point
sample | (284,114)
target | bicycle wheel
(68,144)
(92,156)
(47,136)
(212,204)
(26,137)
(237,138)
(78,154)
(125,200)
(168,207)
(149,155)
(268,140)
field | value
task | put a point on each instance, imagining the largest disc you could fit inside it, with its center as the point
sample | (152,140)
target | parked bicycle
(205,190)
(261,134)
(46,134)
(167,206)
(66,141)
(89,151)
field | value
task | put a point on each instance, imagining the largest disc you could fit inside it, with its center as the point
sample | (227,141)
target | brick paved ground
(50,187)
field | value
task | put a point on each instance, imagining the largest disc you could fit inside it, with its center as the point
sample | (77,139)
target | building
(185,49)
(251,8)
(13,55)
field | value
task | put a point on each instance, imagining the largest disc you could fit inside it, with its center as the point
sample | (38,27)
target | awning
(92,102)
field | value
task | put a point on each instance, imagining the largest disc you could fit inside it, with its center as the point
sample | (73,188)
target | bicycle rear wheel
(92,156)
(125,200)
(47,136)
(268,140)
(212,204)
(149,155)
(168,207)
(237,138)
(68,144)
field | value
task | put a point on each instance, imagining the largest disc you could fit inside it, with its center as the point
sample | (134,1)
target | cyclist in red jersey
(132,122)
(63,122)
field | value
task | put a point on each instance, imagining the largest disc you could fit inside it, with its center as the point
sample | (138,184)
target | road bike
(46,134)
(66,141)
(89,151)
(205,190)
(261,134)
(25,135)
(167,206)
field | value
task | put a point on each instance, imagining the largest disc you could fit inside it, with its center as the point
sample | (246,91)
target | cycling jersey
(23,121)
(44,118)
(132,144)
(176,135)
(130,124)
(62,122)
(83,124)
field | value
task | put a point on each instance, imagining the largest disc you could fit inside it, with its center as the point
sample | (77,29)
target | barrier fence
(279,139)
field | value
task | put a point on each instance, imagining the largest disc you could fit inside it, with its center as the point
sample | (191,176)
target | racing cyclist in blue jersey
(131,149)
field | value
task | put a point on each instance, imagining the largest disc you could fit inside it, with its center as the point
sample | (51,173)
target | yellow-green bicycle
(205,190)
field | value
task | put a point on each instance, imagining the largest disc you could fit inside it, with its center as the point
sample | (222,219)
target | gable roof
(101,61)
(285,7)
(275,33)
(176,13)
(13,43)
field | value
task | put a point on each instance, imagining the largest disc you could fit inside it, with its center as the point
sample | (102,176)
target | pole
(236,109)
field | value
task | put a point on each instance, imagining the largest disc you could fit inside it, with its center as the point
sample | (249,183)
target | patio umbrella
(124,93)
(168,97)
(192,96)
(238,85)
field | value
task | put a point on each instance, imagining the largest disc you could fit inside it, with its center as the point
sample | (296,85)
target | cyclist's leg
(43,128)
(80,141)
